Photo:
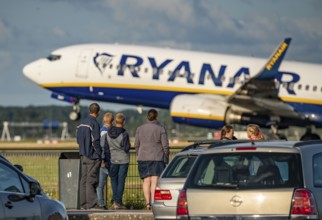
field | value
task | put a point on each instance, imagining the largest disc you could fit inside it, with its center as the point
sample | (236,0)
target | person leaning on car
(90,151)
(152,147)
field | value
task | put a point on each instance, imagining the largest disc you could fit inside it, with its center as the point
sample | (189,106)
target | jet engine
(202,110)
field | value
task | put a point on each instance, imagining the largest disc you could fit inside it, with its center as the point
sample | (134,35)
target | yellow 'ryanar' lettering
(276,56)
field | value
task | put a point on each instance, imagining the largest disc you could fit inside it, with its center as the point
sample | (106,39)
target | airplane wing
(259,94)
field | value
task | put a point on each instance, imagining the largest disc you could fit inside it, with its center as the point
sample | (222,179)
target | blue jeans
(118,173)
(103,174)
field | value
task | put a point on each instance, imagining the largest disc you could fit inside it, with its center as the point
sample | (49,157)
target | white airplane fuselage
(153,77)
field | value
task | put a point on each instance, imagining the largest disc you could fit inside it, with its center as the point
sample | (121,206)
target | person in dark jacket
(152,147)
(118,142)
(90,151)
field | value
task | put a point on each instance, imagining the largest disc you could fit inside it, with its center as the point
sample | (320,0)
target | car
(174,176)
(171,182)
(255,180)
(21,196)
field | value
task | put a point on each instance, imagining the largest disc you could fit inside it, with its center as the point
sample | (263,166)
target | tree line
(53,113)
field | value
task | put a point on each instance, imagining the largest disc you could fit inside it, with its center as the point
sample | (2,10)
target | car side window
(10,180)
(317,170)
(180,167)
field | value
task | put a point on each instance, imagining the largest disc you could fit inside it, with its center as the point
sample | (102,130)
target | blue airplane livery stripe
(199,122)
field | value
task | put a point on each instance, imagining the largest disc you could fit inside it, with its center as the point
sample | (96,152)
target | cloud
(5,60)
(4,31)
(59,32)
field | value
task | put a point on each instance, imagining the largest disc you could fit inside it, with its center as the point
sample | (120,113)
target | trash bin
(69,176)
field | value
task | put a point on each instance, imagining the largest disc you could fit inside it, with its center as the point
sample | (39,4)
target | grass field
(43,165)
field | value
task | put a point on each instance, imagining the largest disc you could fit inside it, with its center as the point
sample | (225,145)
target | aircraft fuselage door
(83,62)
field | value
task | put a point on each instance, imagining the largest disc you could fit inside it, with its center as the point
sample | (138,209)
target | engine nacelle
(199,110)
(245,118)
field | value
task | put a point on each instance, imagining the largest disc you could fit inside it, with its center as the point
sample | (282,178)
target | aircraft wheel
(74,116)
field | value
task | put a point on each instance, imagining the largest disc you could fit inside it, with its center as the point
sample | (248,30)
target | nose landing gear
(75,113)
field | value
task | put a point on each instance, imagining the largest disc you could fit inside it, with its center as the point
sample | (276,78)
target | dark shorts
(150,168)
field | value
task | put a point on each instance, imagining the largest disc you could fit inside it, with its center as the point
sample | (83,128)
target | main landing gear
(75,114)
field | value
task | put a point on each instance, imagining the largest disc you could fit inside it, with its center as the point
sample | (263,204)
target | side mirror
(34,189)
(19,167)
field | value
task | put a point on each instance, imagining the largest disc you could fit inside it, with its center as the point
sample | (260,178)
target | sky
(31,29)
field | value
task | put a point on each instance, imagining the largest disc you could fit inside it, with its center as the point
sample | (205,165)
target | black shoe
(102,207)
(96,207)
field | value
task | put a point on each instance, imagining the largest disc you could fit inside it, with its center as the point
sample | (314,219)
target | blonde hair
(119,119)
(108,118)
(254,132)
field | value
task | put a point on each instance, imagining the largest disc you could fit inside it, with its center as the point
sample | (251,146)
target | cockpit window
(53,57)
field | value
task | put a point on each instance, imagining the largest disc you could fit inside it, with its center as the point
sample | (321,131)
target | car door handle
(9,205)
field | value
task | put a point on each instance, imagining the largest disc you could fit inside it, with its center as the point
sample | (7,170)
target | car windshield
(179,166)
(246,171)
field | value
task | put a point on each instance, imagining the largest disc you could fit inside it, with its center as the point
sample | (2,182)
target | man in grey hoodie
(118,142)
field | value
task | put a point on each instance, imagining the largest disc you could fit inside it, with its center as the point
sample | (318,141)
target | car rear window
(246,170)
(179,166)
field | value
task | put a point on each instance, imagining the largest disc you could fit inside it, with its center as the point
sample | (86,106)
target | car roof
(275,145)
(200,146)
(192,151)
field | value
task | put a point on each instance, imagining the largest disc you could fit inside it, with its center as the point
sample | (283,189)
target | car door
(1,209)
(14,195)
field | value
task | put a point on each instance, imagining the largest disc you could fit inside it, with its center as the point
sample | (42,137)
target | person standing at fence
(152,148)
(88,140)
(106,156)
(119,144)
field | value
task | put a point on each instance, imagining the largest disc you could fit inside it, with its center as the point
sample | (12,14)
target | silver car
(21,196)
(171,182)
(174,176)
(255,180)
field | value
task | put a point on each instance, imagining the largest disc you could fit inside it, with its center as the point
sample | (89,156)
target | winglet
(271,67)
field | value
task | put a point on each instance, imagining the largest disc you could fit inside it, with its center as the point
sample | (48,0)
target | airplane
(199,89)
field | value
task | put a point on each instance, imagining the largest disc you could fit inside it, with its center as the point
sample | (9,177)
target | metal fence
(44,166)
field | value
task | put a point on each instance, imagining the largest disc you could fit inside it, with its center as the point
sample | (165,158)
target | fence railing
(44,166)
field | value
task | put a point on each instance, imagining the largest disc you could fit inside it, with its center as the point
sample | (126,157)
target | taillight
(182,205)
(304,203)
(160,194)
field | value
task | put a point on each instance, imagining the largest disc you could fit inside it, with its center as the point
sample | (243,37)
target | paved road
(110,214)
